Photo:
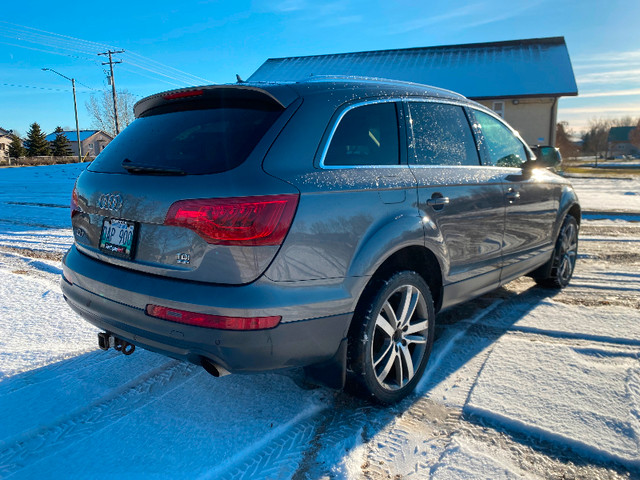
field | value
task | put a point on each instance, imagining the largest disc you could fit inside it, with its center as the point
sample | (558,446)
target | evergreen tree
(16,150)
(60,146)
(37,144)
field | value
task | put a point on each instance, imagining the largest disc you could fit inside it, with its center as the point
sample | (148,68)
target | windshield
(194,141)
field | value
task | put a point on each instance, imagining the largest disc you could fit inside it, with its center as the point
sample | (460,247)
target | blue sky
(172,44)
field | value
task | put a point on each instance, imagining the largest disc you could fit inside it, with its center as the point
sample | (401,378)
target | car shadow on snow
(168,415)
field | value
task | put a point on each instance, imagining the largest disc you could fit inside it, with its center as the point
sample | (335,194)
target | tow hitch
(106,341)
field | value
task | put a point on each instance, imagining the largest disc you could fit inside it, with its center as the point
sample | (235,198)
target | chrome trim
(110,201)
(361,103)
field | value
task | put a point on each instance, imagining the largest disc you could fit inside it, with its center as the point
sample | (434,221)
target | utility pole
(113,83)
(75,108)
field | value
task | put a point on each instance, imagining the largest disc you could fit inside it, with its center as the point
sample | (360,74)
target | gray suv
(319,224)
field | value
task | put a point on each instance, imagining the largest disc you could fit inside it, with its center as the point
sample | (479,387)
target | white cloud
(426,21)
(611,109)
(612,93)
(623,57)
(609,77)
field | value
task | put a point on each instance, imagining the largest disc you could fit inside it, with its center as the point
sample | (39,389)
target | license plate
(117,237)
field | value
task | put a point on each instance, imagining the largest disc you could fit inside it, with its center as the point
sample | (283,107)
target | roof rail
(390,81)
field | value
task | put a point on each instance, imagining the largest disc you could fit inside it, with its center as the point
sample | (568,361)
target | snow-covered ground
(522,383)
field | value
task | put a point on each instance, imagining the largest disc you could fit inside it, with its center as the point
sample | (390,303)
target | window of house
(498,107)
(366,135)
(503,147)
(441,135)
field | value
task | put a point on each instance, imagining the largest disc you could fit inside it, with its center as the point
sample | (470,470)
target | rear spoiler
(212,96)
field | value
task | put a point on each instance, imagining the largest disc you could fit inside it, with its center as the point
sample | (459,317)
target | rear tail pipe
(106,341)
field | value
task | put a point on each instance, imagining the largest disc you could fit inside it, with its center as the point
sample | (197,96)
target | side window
(504,148)
(366,135)
(441,135)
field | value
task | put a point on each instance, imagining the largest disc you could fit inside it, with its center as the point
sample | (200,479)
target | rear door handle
(512,195)
(438,203)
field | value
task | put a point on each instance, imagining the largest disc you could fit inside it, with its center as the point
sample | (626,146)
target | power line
(65,42)
(37,88)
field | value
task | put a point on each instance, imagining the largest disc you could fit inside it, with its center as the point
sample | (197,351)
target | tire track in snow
(114,406)
(406,446)
(62,366)
(279,459)
(309,448)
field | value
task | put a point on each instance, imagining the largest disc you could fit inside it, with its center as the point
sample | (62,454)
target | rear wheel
(564,256)
(391,339)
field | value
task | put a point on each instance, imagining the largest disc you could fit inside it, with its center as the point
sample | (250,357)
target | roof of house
(73,137)
(619,134)
(519,68)
(4,132)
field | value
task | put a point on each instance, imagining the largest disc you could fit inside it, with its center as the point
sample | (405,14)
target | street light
(75,108)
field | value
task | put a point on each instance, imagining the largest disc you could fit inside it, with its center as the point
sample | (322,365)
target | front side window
(503,148)
(441,135)
(366,135)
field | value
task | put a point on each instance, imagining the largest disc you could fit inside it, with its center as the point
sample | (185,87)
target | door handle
(512,195)
(438,203)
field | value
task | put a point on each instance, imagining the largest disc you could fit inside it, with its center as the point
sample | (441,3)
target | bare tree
(624,121)
(634,136)
(568,149)
(100,107)
(596,138)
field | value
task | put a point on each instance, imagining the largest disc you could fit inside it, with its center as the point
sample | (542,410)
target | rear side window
(504,149)
(441,135)
(194,141)
(366,135)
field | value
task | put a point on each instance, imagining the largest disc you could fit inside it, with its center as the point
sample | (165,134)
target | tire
(391,338)
(563,261)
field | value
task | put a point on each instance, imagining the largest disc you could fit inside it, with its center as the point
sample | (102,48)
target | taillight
(212,321)
(74,202)
(263,220)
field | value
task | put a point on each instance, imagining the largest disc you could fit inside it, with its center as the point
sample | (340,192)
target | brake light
(74,202)
(263,220)
(188,93)
(212,321)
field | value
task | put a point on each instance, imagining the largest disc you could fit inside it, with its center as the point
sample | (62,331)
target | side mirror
(547,157)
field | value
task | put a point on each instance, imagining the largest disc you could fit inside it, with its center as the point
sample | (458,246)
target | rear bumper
(315,318)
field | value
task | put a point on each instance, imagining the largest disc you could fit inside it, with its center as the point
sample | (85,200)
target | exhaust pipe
(106,340)
(215,370)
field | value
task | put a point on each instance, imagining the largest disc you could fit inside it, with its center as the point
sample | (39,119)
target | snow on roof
(71,135)
(532,67)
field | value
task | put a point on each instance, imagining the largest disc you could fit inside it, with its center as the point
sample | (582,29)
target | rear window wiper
(142,168)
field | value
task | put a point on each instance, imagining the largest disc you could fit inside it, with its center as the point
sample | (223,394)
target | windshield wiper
(142,168)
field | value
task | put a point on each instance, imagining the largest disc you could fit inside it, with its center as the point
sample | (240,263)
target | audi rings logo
(110,201)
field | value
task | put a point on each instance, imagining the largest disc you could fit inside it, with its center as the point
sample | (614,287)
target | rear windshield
(194,142)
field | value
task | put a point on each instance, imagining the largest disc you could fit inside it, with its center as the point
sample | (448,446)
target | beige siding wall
(4,147)
(532,117)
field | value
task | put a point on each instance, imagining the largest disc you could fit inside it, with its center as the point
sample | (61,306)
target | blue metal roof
(71,135)
(518,68)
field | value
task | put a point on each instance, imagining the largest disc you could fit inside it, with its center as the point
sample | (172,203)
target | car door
(531,200)
(462,201)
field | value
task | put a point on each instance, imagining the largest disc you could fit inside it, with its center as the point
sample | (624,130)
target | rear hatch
(181,191)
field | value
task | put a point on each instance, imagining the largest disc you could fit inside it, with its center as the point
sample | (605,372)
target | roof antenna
(239,79)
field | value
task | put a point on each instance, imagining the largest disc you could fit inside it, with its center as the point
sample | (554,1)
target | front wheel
(564,256)
(391,339)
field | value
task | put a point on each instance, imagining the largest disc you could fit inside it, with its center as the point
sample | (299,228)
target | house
(92,141)
(5,141)
(619,143)
(521,80)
